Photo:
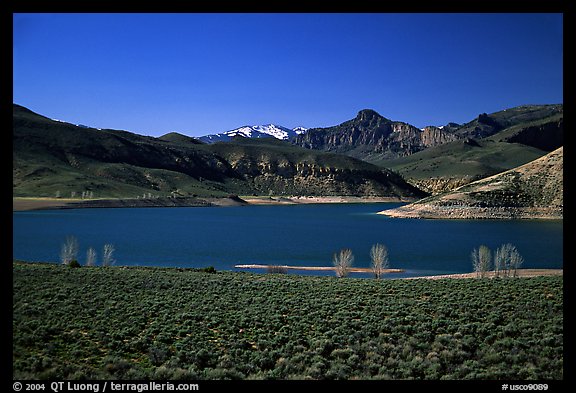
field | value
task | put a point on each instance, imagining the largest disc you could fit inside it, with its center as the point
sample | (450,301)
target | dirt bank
(521,273)
(427,211)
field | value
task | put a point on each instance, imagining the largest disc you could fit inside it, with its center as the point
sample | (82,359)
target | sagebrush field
(139,323)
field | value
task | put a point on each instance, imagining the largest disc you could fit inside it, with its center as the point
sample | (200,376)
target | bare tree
(508,259)
(91,257)
(343,260)
(107,255)
(500,262)
(69,250)
(516,260)
(481,258)
(379,257)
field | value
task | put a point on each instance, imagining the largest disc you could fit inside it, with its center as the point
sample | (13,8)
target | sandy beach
(22,204)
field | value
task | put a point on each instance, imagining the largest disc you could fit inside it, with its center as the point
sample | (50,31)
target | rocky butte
(371,133)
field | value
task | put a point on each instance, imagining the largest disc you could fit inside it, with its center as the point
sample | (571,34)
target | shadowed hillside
(53,158)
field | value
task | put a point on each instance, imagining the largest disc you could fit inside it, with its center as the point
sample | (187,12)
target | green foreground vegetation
(138,323)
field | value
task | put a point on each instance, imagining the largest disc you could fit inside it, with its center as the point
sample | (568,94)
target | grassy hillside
(442,168)
(456,163)
(54,158)
(138,323)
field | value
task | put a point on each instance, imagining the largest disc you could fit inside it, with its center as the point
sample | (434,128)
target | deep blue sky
(206,73)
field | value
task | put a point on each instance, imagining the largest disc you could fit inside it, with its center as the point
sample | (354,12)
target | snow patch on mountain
(261,131)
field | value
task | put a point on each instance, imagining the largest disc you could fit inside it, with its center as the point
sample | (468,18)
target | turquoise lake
(305,235)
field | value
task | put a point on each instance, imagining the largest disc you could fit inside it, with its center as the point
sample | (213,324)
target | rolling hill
(54,158)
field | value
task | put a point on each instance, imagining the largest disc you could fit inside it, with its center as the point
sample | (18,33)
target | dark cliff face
(368,128)
(373,133)
(486,125)
(547,136)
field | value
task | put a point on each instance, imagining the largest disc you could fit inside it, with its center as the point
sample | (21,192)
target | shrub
(192,325)
(158,353)
(276,269)
(74,263)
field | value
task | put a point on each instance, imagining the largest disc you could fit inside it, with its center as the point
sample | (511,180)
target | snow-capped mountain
(264,131)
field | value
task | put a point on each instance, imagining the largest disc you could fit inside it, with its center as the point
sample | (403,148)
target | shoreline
(491,274)
(40,203)
(463,212)
(306,200)
(27,204)
(315,268)
(522,273)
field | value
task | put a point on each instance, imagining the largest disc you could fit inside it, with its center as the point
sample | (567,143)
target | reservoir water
(305,235)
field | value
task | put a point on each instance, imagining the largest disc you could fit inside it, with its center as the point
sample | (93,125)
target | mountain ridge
(371,136)
(55,158)
(371,133)
(255,131)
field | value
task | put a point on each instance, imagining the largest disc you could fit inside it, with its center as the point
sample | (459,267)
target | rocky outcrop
(533,190)
(434,136)
(438,185)
(284,177)
(370,132)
